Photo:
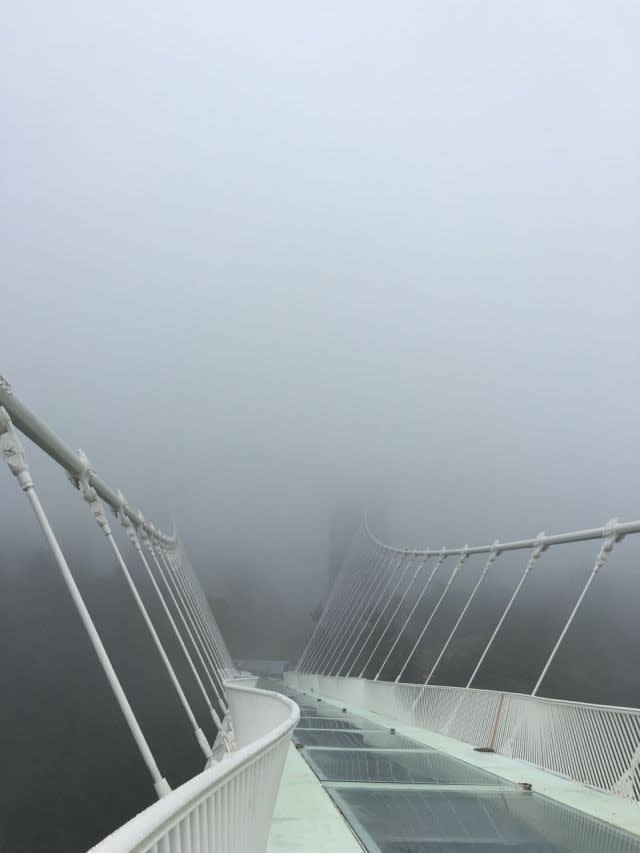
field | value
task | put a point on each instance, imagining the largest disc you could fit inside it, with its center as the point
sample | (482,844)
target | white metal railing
(597,745)
(372,608)
(228,807)
(362,600)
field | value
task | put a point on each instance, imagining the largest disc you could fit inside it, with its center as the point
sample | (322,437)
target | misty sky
(265,259)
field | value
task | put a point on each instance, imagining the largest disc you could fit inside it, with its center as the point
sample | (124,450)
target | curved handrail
(614,528)
(30,425)
(234,821)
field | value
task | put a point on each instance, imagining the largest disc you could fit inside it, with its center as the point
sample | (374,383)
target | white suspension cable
(337,584)
(13,454)
(207,612)
(343,611)
(366,613)
(164,574)
(603,553)
(205,632)
(201,629)
(493,556)
(455,571)
(213,667)
(416,603)
(399,570)
(398,604)
(363,596)
(533,557)
(89,495)
(331,634)
(133,537)
(356,607)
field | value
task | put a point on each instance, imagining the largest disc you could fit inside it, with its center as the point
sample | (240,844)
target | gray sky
(263,259)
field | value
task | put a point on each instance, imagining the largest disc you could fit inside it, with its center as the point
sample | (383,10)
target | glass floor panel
(355,740)
(344,722)
(424,767)
(463,822)
(306,711)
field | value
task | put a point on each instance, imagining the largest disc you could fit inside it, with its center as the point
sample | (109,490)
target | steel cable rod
(360,596)
(207,611)
(416,603)
(389,566)
(197,628)
(341,609)
(343,612)
(614,536)
(89,495)
(421,563)
(180,570)
(493,556)
(350,615)
(534,556)
(337,584)
(183,613)
(340,605)
(401,569)
(138,548)
(203,617)
(11,451)
(362,616)
(452,577)
(172,595)
(212,662)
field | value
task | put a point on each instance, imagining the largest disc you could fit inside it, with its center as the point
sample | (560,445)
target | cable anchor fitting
(537,551)
(611,538)
(12,452)
(88,492)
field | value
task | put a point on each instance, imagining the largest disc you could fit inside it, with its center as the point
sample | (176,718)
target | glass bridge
(400,796)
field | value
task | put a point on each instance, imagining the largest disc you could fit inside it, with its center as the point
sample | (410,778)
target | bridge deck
(430,792)
(305,817)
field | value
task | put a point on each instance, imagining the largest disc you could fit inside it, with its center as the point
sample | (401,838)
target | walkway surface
(406,790)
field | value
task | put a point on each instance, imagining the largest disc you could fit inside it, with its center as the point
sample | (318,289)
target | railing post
(494,730)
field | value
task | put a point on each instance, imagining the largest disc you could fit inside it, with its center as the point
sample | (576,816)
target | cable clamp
(12,452)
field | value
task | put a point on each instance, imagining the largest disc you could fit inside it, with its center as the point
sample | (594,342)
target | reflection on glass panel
(459,822)
(425,767)
(344,722)
(355,740)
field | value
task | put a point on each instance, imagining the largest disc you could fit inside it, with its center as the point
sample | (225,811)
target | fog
(264,262)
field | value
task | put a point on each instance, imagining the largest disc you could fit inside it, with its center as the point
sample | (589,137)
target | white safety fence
(597,745)
(228,807)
